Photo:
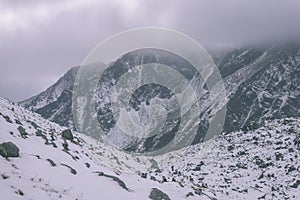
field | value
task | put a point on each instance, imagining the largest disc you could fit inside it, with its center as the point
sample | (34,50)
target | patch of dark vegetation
(9,149)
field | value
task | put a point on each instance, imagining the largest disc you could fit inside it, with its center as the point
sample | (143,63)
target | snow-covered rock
(51,167)
(261,163)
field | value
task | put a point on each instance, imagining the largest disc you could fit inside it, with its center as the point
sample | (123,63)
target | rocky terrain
(42,160)
(52,162)
(262,83)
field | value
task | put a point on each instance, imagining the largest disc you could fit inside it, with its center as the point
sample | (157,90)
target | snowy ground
(258,164)
(49,171)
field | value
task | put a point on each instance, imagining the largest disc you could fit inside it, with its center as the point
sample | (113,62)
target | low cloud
(40,41)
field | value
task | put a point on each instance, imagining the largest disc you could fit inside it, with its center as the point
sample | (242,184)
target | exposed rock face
(55,103)
(261,84)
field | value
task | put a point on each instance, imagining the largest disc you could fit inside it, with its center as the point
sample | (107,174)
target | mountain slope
(256,164)
(261,84)
(271,89)
(51,165)
(55,103)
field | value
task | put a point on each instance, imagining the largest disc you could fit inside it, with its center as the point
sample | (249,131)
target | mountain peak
(262,83)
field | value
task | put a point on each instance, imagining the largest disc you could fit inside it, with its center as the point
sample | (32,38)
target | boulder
(156,194)
(67,134)
(9,149)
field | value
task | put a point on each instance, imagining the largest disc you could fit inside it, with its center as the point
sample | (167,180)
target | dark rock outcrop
(9,149)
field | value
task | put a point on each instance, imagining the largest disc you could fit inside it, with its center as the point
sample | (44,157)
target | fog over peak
(40,40)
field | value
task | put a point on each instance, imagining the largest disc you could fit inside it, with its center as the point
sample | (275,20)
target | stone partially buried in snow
(9,149)
(67,134)
(156,194)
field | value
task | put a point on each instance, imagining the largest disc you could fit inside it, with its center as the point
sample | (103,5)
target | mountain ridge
(250,76)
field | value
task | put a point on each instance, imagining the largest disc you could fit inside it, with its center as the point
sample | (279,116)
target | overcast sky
(41,40)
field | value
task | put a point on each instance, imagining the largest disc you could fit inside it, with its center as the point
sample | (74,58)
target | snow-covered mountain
(261,83)
(55,103)
(54,164)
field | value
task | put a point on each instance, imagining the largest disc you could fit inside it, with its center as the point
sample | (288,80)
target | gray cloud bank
(40,40)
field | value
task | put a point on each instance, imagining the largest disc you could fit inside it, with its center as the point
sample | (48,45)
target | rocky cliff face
(261,83)
(270,86)
(55,103)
